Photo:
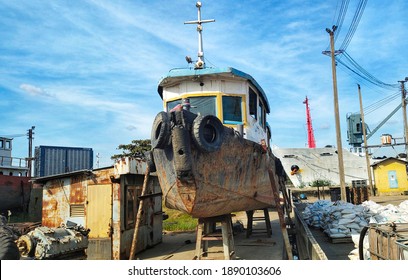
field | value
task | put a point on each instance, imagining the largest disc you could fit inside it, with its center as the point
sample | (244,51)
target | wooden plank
(341,240)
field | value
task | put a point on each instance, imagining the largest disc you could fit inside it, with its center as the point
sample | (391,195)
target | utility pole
(30,149)
(370,180)
(336,114)
(404,112)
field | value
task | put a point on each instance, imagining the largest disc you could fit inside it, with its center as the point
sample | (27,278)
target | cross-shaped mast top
(200,64)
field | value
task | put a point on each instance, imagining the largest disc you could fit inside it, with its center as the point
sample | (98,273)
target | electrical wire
(354,24)
(357,69)
(341,17)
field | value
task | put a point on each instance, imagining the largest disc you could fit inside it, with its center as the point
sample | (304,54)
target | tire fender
(160,131)
(208,133)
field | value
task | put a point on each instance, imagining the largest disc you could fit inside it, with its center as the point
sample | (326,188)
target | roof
(179,74)
(61,175)
(389,158)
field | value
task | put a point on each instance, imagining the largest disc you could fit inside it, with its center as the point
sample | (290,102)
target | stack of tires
(8,248)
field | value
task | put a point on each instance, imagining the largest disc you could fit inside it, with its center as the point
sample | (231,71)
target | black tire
(8,248)
(361,243)
(208,133)
(150,161)
(160,130)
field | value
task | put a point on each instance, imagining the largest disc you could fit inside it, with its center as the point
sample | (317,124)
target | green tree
(135,149)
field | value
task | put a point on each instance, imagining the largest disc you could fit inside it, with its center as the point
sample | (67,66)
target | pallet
(340,240)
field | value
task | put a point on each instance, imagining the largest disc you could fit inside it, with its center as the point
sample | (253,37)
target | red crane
(310,136)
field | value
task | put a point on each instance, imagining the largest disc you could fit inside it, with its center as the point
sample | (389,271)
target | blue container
(52,160)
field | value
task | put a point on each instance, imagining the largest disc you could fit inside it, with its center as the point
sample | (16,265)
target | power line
(341,17)
(357,69)
(354,24)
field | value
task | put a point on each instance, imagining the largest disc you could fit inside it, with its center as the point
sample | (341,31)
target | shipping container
(52,160)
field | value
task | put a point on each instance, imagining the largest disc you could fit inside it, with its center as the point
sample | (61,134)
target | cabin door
(99,213)
(392,179)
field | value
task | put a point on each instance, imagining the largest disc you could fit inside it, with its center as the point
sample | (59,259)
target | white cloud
(35,91)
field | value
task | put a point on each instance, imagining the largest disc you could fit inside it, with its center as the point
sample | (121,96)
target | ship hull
(233,178)
(14,192)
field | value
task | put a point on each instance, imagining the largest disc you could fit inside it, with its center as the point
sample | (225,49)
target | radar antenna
(200,64)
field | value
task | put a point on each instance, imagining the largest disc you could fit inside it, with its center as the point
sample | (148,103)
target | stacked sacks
(379,214)
(337,219)
(313,214)
(344,219)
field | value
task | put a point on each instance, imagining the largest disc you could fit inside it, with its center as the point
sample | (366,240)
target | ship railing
(13,162)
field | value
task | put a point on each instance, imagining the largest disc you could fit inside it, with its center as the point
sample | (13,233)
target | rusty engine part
(69,241)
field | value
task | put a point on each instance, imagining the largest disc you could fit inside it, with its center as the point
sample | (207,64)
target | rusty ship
(210,144)
(15,187)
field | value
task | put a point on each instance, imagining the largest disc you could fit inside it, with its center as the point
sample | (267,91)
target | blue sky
(85,73)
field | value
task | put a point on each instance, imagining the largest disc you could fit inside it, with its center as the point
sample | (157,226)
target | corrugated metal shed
(51,160)
(106,201)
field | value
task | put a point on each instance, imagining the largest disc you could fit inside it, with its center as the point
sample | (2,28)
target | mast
(200,64)
(310,135)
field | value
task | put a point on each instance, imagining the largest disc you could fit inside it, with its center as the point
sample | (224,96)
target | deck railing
(13,162)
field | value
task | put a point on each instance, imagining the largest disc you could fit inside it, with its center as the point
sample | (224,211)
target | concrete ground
(181,245)
(258,246)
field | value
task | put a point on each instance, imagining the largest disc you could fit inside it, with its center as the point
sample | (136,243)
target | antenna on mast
(200,64)
(310,135)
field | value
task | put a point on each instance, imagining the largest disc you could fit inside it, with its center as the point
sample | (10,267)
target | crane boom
(384,121)
(310,135)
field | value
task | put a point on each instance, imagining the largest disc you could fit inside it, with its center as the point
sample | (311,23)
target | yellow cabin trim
(218,104)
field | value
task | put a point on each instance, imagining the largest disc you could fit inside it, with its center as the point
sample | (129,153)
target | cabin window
(204,105)
(261,113)
(8,145)
(171,104)
(252,104)
(232,109)
(1,144)
(131,205)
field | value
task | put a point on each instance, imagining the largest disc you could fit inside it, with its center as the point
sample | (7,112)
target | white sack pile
(342,219)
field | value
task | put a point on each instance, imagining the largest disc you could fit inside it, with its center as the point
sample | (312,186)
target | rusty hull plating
(232,178)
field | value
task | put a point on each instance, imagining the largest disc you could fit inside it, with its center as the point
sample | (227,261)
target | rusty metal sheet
(55,202)
(77,190)
(234,178)
(14,192)
(130,166)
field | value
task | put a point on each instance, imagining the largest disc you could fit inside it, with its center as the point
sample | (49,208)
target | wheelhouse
(229,94)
